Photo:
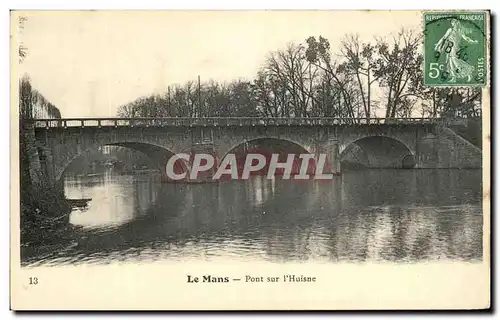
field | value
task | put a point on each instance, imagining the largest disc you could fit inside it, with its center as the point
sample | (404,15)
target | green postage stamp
(455,49)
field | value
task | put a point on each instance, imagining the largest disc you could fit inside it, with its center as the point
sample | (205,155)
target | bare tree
(360,62)
(398,67)
(318,53)
(297,78)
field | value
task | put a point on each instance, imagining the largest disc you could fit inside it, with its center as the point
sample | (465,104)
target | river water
(362,216)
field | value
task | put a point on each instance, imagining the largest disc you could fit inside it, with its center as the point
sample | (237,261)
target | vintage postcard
(250,160)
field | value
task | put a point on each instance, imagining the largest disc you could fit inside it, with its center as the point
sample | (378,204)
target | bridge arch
(291,142)
(159,154)
(266,145)
(377,151)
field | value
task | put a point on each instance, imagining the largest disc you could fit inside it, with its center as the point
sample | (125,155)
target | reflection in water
(375,215)
(111,204)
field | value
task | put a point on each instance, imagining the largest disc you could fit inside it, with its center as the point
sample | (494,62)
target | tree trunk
(368,115)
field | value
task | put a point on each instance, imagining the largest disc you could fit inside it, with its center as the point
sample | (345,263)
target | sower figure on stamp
(449,44)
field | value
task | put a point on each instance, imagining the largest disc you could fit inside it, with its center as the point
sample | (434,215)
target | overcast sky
(90,63)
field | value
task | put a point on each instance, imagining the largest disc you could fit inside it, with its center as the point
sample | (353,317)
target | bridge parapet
(233,121)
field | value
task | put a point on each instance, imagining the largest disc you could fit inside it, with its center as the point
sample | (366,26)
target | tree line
(33,105)
(362,79)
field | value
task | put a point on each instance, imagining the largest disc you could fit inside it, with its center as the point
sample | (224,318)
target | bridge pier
(30,142)
(203,148)
(39,165)
(330,147)
(428,152)
(47,165)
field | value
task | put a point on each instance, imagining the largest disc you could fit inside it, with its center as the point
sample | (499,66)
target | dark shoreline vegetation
(44,211)
(44,218)
(301,80)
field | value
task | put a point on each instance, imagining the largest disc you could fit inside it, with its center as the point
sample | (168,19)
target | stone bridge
(375,143)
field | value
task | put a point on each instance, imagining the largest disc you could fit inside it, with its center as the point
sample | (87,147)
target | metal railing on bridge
(233,121)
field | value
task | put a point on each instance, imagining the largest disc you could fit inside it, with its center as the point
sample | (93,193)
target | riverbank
(44,218)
